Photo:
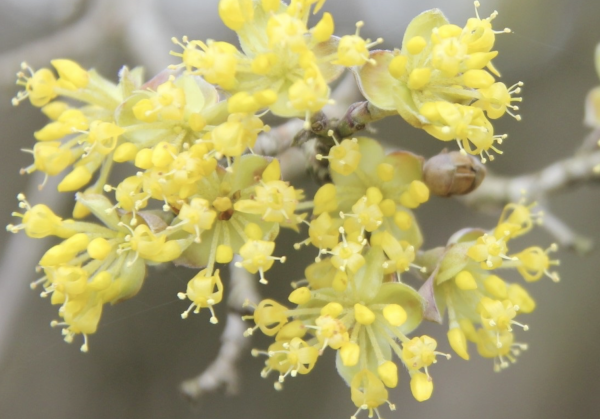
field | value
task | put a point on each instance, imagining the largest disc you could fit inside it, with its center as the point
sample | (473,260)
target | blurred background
(143,350)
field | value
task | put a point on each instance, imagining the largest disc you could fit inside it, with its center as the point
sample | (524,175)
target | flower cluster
(481,305)
(352,299)
(198,195)
(280,57)
(187,143)
(438,81)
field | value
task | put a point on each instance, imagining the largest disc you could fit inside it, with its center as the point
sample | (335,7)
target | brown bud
(453,173)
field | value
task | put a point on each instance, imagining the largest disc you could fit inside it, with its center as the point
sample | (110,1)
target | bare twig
(278,139)
(281,138)
(590,142)
(223,370)
(564,235)
(497,191)
(293,145)
(358,116)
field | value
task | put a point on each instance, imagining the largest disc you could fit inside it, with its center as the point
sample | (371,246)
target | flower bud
(453,173)
(421,386)
(349,353)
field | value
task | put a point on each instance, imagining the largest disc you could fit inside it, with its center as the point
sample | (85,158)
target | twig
(278,139)
(590,142)
(294,145)
(497,191)
(565,236)
(358,116)
(223,370)
(281,138)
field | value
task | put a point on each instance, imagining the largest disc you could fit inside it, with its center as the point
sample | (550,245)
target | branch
(497,191)
(223,370)
(358,116)
(295,146)
(282,137)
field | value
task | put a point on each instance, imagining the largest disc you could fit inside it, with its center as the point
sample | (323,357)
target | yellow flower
(204,291)
(360,321)
(466,284)
(438,81)
(278,52)
(91,267)
(379,192)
